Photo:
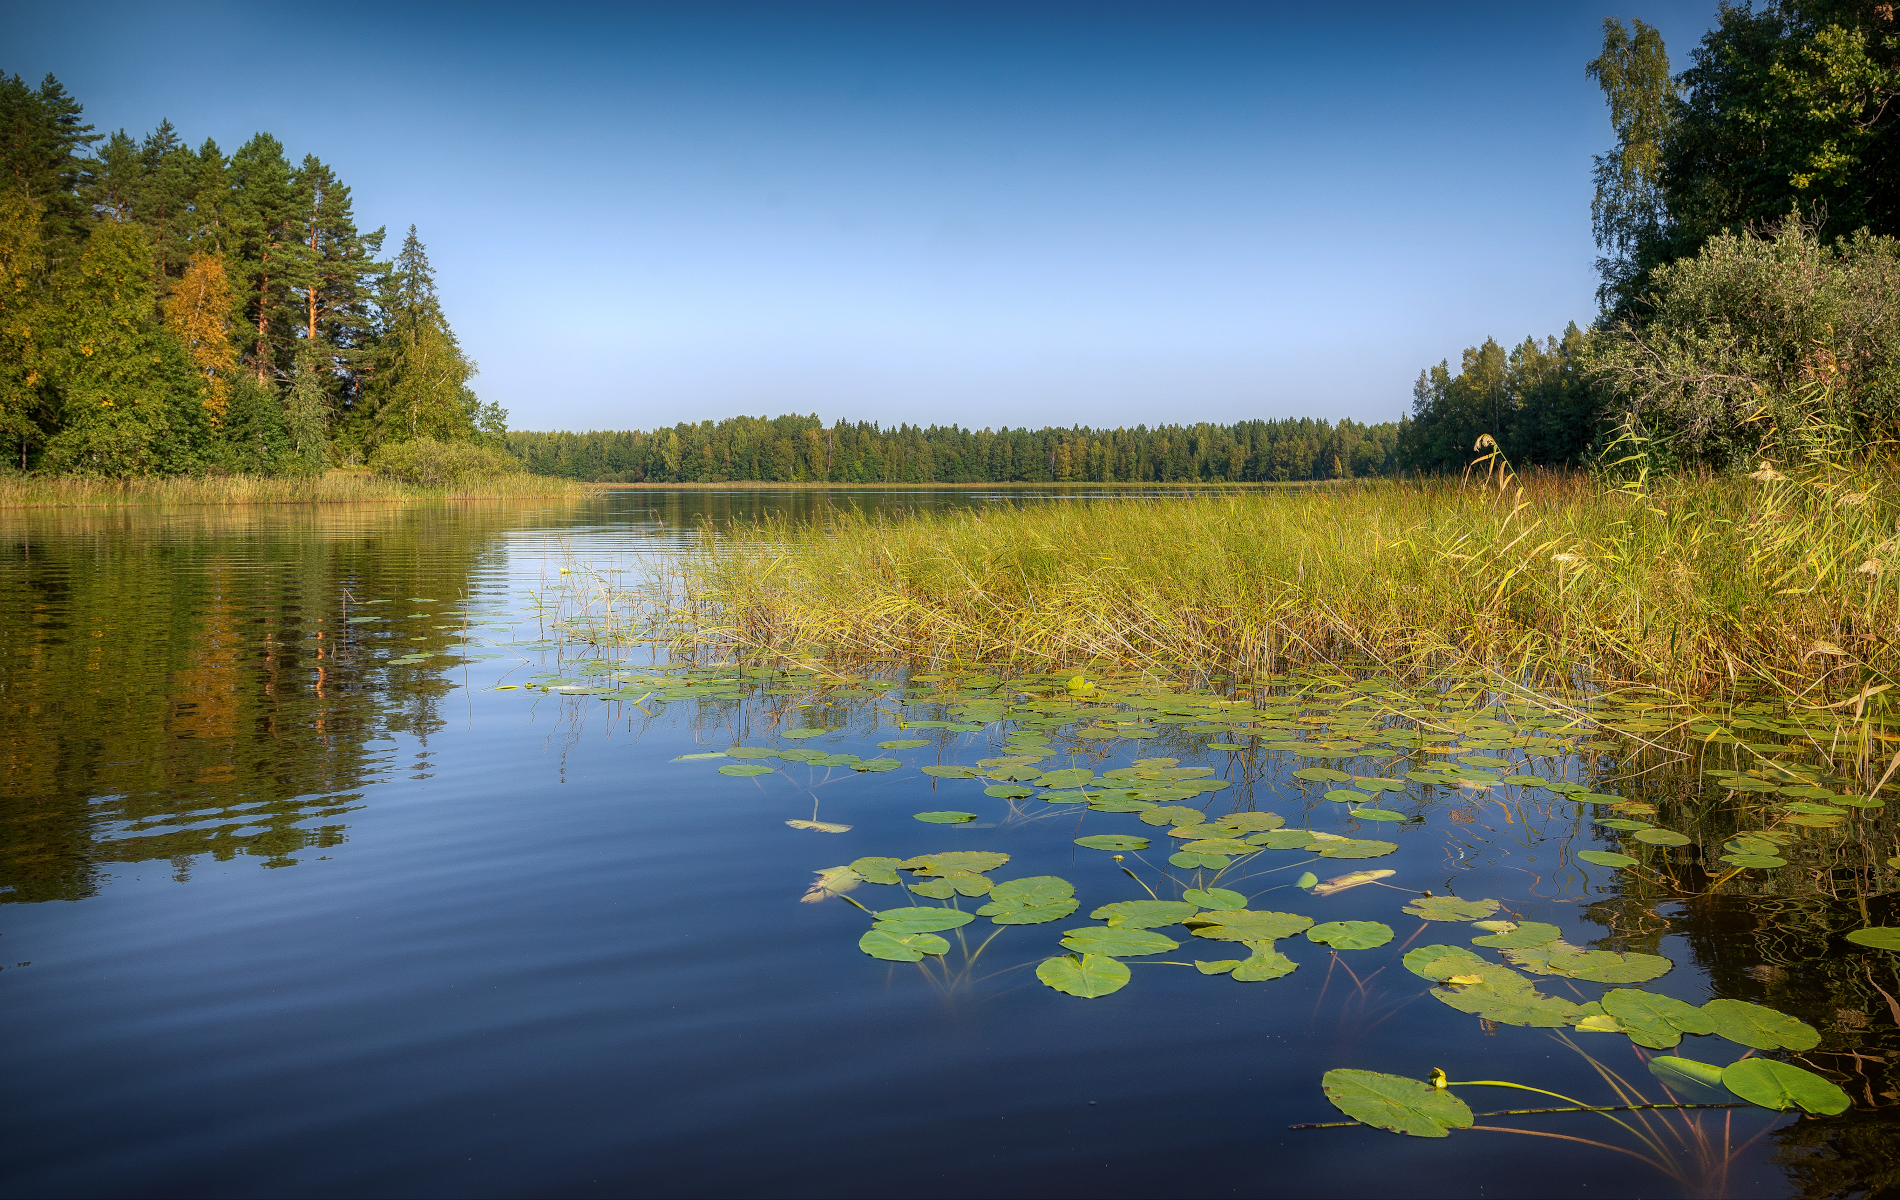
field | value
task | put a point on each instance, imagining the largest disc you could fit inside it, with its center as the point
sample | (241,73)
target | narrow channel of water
(299,903)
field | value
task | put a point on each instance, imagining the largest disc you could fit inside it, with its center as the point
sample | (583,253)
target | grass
(342,486)
(741,485)
(1693,584)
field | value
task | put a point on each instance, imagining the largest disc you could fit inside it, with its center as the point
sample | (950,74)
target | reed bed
(1693,584)
(333,487)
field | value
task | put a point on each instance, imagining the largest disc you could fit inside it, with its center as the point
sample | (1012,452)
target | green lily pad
(943,818)
(1450,908)
(1662,837)
(1009,791)
(1069,777)
(901,947)
(1244,925)
(1281,839)
(1112,841)
(952,772)
(1439,963)
(1657,1022)
(1217,845)
(1214,898)
(903,743)
(1030,901)
(1624,824)
(1782,1086)
(1015,774)
(805,733)
(1695,1082)
(1376,814)
(1190,860)
(1145,914)
(1219,966)
(1352,848)
(745,769)
(1064,797)
(1121,943)
(1351,935)
(1089,976)
(1172,815)
(1248,822)
(920,920)
(1523,780)
(1265,963)
(1530,933)
(1885,937)
(1222,746)
(1395,1104)
(1606,966)
(689,757)
(1347,796)
(960,885)
(750,752)
(1606,858)
(1755,862)
(874,765)
(1510,1005)
(1377,784)
(876,870)
(1119,804)
(1322,775)
(955,862)
(1760,1027)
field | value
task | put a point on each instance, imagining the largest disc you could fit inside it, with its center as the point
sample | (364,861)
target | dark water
(288,917)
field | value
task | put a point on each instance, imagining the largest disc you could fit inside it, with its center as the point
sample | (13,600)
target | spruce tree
(266,255)
(419,379)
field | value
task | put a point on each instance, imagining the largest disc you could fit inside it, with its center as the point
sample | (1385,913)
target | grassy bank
(1191,485)
(1693,584)
(333,487)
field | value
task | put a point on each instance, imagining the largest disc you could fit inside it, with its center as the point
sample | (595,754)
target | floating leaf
(1218,846)
(1067,778)
(1089,976)
(1760,1027)
(1885,937)
(1322,775)
(1243,925)
(1351,935)
(1439,963)
(1112,841)
(709,754)
(1065,797)
(1122,943)
(804,733)
(1009,791)
(1606,858)
(875,765)
(1395,1104)
(1755,862)
(903,743)
(1606,966)
(832,881)
(1017,773)
(1662,837)
(955,862)
(960,885)
(1265,963)
(943,818)
(1340,883)
(1281,839)
(1509,1004)
(953,772)
(1374,783)
(1218,967)
(745,769)
(1352,848)
(1530,933)
(920,920)
(1171,815)
(1148,914)
(1214,898)
(1694,1081)
(1782,1086)
(1119,804)
(819,826)
(1655,1021)
(1376,814)
(1189,860)
(1347,796)
(1451,908)
(876,870)
(1624,824)
(1030,901)
(901,947)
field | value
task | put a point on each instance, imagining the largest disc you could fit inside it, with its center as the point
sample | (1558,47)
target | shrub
(426,462)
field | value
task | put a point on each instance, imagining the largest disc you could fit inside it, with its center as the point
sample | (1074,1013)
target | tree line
(803,448)
(165,310)
(1750,276)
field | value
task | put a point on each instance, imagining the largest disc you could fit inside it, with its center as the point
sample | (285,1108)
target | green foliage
(1536,401)
(431,463)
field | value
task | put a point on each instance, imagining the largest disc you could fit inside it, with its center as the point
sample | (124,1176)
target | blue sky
(1089,213)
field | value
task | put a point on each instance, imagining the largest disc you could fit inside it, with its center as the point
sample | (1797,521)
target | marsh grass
(343,486)
(1691,584)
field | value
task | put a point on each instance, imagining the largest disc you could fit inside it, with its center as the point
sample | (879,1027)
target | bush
(428,463)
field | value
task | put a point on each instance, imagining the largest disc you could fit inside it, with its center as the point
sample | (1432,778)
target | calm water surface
(288,916)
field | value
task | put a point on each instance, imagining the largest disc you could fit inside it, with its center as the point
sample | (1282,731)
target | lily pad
(955,862)
(1450,908)
(943,818)
(820,826)
(1657,1022)
(1219,966)
(745,769)
(1190,860)
(709,754)
(805,733)
(1112,841)
(874,765)
(1122,943)
(1695,1082)
(1351,935)
(876,870)
(1782,1086)
(1089,976)
(1281,839)
(1030,901)
(1377,784)
(1352,848)
(1265,963)
(1009,791)
(1217,845)
(1755,862)
(901,947)
(1606,858)
(960,885)
(1879,937)
(1322,775)
(1663,837)
(952,772)
(1606,966)
(1760,1027)
(1507,1004)
(1529,933)
(1376,814)
(1067,778)
(1146,914)
(921,920)
(1244,925)
(1347,796)
(903,743)
(1214,898)
(1395,1104)
(1175,815)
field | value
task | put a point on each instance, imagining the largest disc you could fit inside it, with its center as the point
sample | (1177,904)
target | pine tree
(265,253)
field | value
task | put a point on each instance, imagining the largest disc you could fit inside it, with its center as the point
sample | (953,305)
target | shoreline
(341,486)
(762,485)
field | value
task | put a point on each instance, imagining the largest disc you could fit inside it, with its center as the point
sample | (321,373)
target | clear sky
(988,214)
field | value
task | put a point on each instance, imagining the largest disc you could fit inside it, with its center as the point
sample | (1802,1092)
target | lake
(299,903)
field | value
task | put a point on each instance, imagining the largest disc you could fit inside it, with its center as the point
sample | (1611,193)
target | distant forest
(792,449)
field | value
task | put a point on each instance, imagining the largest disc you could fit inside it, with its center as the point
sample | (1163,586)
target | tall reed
(334,487)
(1696,584)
